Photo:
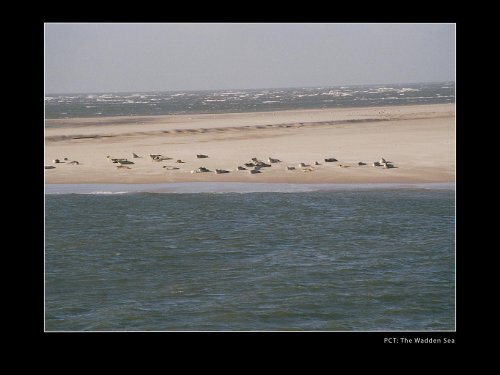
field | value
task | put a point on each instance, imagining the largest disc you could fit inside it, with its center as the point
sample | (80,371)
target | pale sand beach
(419,141)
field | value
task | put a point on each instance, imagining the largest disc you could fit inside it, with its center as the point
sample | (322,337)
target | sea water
(227,101)
(380,259)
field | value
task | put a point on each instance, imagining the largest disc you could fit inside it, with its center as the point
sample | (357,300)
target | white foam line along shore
(229,187)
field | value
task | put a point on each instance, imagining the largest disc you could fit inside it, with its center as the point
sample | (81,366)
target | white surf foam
(229,187)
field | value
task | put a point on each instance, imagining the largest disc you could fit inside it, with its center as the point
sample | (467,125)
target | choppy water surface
(324,260)
(226,101)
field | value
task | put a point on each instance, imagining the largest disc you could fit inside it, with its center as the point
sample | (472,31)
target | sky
(93,57)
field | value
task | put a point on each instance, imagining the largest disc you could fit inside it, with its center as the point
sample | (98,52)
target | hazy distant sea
(222,101)
(340,260)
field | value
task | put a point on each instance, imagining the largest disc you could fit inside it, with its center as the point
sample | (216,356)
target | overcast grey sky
(83,58)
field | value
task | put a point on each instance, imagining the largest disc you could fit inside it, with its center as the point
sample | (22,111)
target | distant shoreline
(132,119)
(144,119)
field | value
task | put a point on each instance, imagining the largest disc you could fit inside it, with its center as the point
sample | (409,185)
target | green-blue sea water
(374,260)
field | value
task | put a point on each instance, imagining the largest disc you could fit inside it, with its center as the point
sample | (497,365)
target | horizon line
(243,89)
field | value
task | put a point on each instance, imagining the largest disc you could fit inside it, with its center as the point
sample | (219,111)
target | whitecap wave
(106,192)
